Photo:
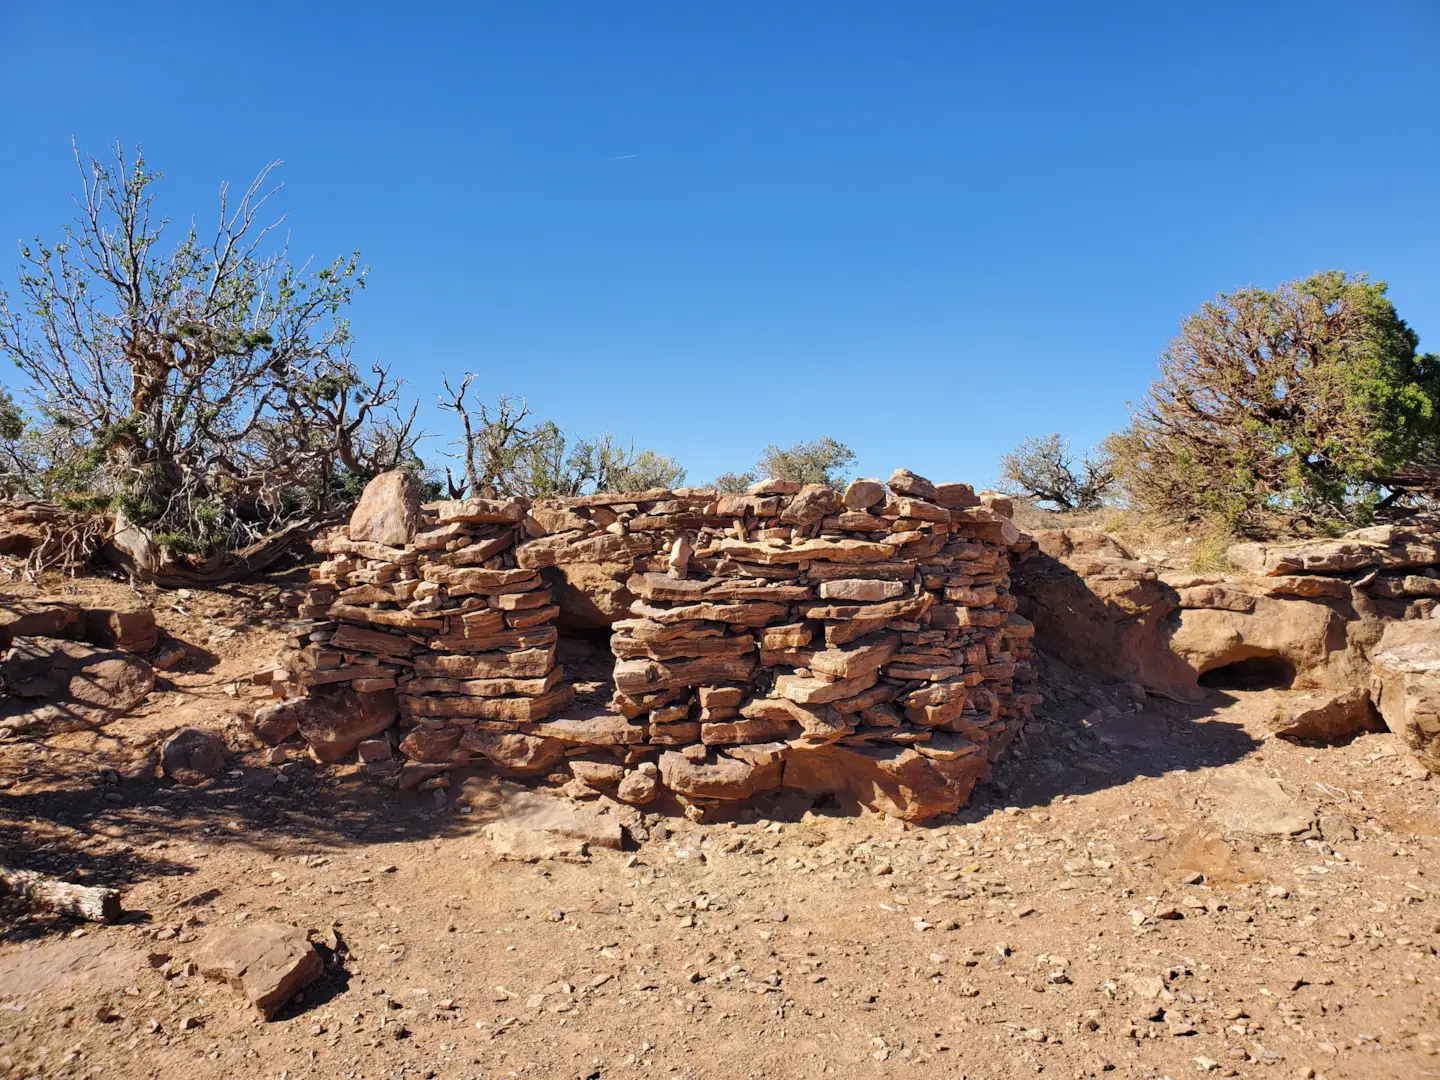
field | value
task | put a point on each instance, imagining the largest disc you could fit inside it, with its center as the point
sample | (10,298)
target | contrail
(622,157)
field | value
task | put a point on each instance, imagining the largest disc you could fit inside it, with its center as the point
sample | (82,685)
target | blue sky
(926,229)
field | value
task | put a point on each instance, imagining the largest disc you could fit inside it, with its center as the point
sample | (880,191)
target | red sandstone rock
(905,482)
(894,780)
(429,745)
(718,777)
(388,510)
(267,962)
(55,685)
(191,757)
(515,753)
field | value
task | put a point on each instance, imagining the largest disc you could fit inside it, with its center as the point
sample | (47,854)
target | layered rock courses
(864,642)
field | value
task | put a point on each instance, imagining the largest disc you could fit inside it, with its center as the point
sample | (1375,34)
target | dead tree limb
(89,902)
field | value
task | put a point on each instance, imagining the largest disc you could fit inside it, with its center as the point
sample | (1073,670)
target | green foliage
(819,461)
(202,387)
(1045,471)
(506,455)
(647,470)
(12,420)
(1289,405)
(1209,554)
(733,483)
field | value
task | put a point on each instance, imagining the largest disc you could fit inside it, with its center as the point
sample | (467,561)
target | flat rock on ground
(267,962)
(96,961)
(531,826)
(1251,802)
(1139,731)
(55,685)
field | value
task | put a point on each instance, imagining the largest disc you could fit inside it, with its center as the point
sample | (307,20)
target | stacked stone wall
(864,643)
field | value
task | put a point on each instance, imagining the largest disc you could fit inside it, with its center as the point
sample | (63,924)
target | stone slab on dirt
(54,685)
(1131,731)
(98,961)
(267,962)
(530,827)
(1251,802)
(1325,716)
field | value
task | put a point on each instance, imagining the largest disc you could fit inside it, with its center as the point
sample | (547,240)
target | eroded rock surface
(1324,715)
(1101,610)
(530,826)
(1407,686)
(388,511)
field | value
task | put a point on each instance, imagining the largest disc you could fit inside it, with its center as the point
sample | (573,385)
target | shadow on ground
(1078,751)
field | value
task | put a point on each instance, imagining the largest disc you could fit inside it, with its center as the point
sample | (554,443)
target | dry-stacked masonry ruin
(790,636)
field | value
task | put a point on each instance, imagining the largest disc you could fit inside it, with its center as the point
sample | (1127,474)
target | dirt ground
(1104,906)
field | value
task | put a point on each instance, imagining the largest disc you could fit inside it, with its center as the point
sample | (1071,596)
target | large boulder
(388,510)
(54,685)
(129,629)
(1325,715)
(1099,609)
(1406,686)
(1309,637)
(333,724)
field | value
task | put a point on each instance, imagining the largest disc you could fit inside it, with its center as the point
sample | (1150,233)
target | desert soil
(1105,906)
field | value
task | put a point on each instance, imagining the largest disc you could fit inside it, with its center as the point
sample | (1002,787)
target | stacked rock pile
(419,613)
(864,642)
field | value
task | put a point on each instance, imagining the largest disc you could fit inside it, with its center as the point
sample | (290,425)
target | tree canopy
(1046,471)
(818,461)
(204,389)
(503,453)
(1289,404)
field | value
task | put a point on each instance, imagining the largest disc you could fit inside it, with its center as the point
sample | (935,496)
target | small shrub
(1045,471)
(1209,554)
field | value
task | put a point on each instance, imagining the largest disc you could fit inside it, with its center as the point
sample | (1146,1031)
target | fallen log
(90,902)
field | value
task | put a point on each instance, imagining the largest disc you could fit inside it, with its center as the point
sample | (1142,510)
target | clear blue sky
(927,229)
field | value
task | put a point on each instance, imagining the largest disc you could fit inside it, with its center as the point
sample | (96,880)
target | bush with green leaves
(1283,409)
(818,461)
(504,454)
(203,388)
(1044,471)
